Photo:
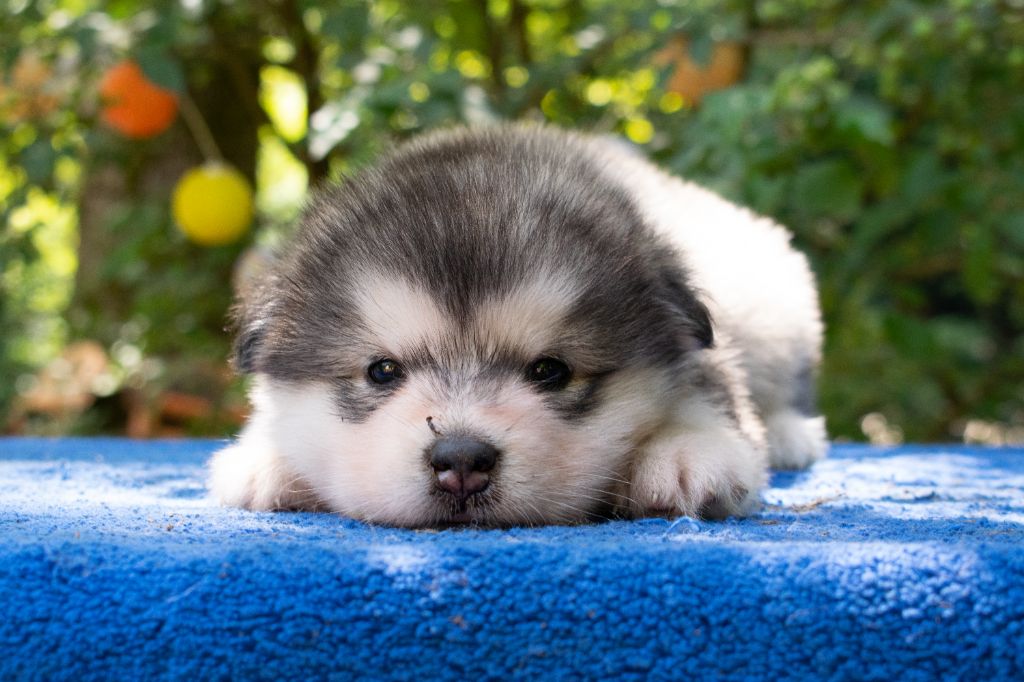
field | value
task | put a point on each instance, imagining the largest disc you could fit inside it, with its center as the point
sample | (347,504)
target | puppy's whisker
(595,494)
(590,497)
(511,427)
(400,420)
(539,514)
(565,468)
(560,503)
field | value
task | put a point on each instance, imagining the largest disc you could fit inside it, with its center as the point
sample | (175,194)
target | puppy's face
(479,348)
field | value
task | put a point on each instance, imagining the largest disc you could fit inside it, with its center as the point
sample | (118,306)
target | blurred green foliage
(889,136)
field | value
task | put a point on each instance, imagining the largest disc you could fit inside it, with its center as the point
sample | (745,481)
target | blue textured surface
(877,564)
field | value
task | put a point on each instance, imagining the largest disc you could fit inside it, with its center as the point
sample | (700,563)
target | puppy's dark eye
(384,371)
(549,374)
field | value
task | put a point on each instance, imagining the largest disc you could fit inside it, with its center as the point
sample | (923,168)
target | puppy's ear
(250,316)
(694,315)
(246,345)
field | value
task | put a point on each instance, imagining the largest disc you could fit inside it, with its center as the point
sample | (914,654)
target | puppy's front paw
(712,474)
(253,477)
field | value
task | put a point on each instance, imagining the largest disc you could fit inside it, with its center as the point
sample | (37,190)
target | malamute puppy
(517,325)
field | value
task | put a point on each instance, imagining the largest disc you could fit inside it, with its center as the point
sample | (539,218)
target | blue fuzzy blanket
(895,564)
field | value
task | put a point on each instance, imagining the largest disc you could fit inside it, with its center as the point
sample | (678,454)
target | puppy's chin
(551,470)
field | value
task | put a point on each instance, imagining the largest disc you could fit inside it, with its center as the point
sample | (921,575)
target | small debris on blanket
(814,504)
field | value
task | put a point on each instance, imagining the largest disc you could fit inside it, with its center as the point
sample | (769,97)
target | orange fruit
(133,105)
(213,204)
(693,80)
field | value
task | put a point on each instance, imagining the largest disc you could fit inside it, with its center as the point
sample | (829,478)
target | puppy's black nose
(462,465)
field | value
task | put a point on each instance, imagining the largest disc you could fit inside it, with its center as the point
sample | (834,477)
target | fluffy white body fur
(760,291)
(647,448)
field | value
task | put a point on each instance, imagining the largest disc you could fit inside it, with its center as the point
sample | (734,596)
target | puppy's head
(481,329)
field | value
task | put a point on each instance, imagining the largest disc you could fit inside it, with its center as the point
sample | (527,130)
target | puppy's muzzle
(462,465)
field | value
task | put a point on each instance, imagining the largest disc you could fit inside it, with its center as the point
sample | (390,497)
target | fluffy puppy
(518,325)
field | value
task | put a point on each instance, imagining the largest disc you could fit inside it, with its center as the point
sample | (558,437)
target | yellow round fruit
(213,204)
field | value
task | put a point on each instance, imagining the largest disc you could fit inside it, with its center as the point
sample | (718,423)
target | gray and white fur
(567,333)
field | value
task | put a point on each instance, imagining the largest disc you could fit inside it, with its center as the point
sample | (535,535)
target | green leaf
(965,338)
(924,178)
(867,118)
(37,159)
(828,188)
(978,273)
(161,69)
(701,48)
(765,194)
(1012,227)
(348,23)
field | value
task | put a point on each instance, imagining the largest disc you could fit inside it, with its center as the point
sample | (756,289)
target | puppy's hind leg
(795,431)
(795,440)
